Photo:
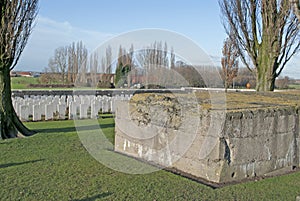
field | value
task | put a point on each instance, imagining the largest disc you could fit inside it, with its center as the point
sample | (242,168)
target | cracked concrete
(216,146)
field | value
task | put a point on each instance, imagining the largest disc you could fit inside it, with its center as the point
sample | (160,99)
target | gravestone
(83,111)
(73,110)
(37,114)
(52,107)
(61,109)
(24,112)
(105,105)
(95,109)
(49,111)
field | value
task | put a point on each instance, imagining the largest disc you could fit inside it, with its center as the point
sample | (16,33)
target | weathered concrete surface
(218,146)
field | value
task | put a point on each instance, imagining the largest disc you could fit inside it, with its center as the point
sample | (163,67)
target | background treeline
(155,66)
(73,64)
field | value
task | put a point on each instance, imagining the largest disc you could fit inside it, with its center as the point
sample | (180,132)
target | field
(54,165)
(295,86)
(23,82)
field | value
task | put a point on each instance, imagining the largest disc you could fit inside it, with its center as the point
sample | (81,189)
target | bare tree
(52,67)
(94,63)
(71,63)
(154,61)
(172,60)
(244,77)
(17,20)
(119,67)
(61,60)
(130,65)
(81,63)
(165,55)
(76,62)
(145,59)
(50,72)
(108,55)
(102,66)
(296,7)
(283,82)
(266,33)
(59,63)
(229,61)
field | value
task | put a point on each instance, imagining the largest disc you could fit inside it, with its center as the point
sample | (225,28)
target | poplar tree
(17,20)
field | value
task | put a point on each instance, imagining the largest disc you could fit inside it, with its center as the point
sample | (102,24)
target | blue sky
(61,22)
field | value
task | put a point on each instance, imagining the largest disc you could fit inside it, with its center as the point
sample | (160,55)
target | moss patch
(230,100)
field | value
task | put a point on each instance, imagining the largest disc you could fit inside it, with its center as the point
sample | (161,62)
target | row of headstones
(37,108)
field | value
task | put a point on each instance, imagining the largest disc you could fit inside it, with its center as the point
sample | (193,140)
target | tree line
(71,63)
(262,34)
(154,65)
(157,66)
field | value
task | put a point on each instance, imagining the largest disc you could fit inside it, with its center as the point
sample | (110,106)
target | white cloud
(49,35)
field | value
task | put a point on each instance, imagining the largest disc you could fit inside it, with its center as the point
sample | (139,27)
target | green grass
(23,82)
(54,165)
(294,86)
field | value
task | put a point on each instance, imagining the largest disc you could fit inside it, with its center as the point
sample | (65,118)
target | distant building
(25,74)
(13,74)
(21,74)
(36,74)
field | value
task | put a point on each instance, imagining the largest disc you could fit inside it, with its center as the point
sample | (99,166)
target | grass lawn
(23,82)
(54,165)
(295,86)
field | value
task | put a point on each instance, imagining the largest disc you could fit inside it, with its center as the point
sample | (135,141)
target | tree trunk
(266,67)
(265,75)
(226,84)
(264,82)
(10,124)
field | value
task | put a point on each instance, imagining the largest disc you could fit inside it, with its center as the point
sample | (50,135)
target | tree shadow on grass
(21,163)
(102,195)
(74,129)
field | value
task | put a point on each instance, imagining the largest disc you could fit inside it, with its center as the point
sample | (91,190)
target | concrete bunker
(256,138)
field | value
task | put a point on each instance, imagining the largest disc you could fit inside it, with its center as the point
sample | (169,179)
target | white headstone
(49,110)
(24,114)
(83,109)
(105,105)
(37,116)
(61,109)
(94,111)
(73,108)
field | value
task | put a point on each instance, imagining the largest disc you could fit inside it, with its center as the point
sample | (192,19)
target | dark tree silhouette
(17,20)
